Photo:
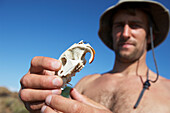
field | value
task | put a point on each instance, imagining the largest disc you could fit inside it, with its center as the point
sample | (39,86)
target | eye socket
(134,26)
(118,25)
(63,60)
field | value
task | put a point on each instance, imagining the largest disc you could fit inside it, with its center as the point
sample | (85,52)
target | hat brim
(159,14)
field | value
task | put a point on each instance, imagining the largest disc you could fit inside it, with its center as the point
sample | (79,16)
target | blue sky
(30,28)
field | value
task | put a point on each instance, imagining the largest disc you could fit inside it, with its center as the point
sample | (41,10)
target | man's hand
(40,82)
(80,104)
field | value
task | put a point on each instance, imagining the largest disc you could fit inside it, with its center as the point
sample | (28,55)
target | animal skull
(73,60)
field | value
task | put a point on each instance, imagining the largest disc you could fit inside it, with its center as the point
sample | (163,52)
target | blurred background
(30,28)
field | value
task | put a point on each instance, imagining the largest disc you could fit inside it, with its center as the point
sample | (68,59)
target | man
(128,28)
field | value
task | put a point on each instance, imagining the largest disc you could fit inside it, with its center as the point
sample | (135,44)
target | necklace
(147,84)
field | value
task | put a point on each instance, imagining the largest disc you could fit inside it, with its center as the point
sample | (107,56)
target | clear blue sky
(31,28)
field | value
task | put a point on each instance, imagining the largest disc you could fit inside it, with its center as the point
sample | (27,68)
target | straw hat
(158,13)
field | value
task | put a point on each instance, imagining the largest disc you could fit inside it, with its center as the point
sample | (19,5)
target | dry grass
(10,102)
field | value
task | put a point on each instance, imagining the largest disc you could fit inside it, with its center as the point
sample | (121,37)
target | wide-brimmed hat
(158,13)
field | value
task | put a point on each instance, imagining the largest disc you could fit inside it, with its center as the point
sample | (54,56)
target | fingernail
(56,91)
(48,99)
(43,108)
(56,82)
(56,64)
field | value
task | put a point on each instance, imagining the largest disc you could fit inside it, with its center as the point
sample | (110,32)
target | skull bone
(73,60)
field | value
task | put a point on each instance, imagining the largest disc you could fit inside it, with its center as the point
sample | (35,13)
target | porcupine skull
(73,60)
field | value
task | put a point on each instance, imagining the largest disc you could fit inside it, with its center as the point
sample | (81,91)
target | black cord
(146,84)
(153,53)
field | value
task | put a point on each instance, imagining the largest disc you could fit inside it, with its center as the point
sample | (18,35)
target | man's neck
(137,67)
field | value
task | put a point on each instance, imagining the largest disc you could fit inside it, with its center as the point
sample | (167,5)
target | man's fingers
(77,96)
(39,63)
(28,95)
(47,109)
(34,107)
(81,98)
(47,72)
(36,81)
(67,105)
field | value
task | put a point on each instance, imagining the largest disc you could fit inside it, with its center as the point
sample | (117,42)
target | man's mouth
(126,44)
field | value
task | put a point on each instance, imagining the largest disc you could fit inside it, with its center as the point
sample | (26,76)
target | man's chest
(121,97)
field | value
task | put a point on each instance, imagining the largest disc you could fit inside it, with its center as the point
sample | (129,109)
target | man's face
(129,33)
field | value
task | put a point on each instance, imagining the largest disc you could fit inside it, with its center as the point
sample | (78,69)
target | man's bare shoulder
(94,79)
(165,82)
(86,80)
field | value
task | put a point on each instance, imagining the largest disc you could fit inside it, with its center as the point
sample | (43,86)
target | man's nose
(126,31)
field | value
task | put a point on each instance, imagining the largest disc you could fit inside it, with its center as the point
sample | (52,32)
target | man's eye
(135,26)
(118,25)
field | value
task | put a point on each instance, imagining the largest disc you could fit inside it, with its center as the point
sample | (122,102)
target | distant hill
(10,102)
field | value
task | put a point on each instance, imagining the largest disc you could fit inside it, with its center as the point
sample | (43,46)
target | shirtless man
(126,28)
